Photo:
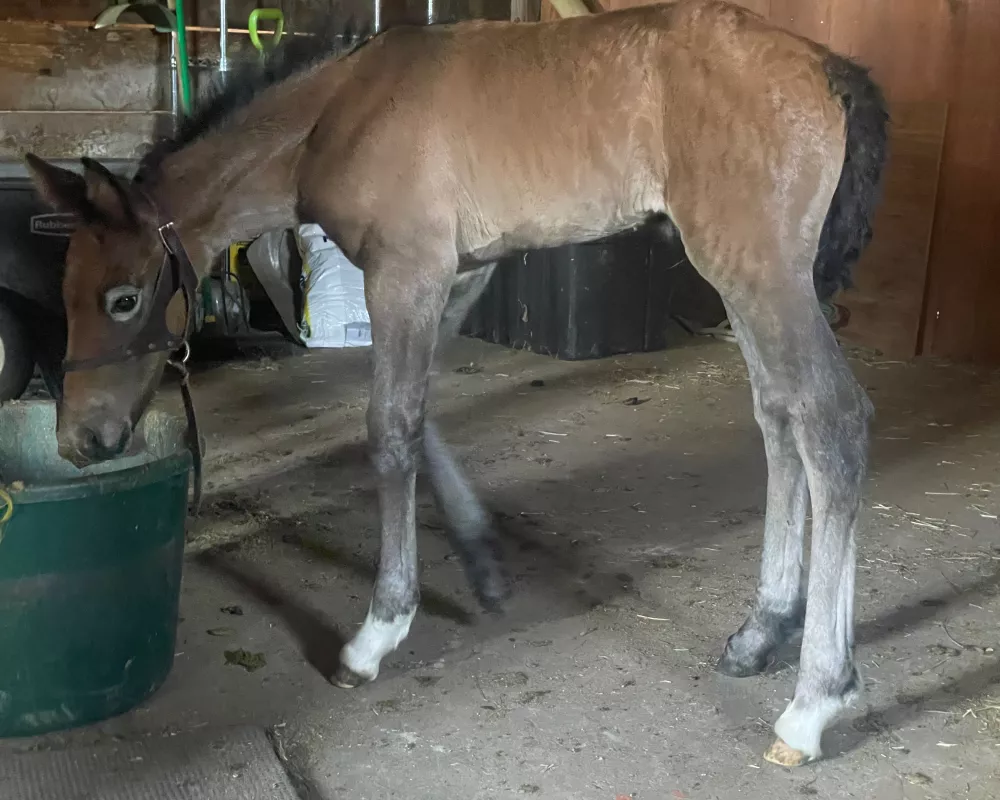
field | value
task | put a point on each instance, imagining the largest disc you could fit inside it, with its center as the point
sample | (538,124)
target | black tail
(848,226)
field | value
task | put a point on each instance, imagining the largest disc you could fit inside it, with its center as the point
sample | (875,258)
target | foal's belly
(558,218)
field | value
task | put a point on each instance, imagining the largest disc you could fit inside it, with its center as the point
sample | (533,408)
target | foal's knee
(395,440)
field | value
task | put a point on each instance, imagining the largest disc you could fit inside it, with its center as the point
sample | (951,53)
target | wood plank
(51,9)
(55,67)
(987,332)
(886,304)
(76,69)
(101,135)
(908,44)
(299,14)
(810,18)
(961,319)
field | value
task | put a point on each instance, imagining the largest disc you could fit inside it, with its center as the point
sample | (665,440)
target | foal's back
(502,136)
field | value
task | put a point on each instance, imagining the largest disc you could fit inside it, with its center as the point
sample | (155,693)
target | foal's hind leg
(831,420)
(469,524)
(779,607)
(751,223)
(804,385)
(405,301)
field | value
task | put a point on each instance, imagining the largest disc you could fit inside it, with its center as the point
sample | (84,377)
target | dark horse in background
(427,154)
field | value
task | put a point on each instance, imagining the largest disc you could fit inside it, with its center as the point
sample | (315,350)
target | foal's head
(114,257)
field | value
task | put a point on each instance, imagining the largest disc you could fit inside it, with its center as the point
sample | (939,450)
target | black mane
(296,54)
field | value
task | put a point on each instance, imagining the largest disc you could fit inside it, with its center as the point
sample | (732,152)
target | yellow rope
(9,510)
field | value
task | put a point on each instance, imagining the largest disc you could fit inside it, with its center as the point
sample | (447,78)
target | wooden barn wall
(931,280)
(928,283)
(67,90)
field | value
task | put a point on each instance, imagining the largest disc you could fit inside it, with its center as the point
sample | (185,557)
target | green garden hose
(182,57)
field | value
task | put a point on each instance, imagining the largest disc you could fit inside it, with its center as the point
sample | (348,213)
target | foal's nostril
(126,439)
(107,440)
(90,445)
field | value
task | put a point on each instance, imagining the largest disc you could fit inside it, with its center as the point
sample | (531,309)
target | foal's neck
(240,180)
(215,196)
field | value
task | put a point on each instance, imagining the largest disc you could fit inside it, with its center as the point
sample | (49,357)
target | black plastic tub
(592,300)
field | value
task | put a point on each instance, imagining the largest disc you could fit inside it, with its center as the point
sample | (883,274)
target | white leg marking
(801,725)
(377,638)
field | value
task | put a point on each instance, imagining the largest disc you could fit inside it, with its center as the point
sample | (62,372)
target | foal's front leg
(405,304)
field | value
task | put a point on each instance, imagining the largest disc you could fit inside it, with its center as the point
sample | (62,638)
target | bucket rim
(108,481)
(89,486)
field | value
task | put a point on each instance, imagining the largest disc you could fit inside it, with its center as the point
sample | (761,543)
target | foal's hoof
(740,665)
(493,592)
(784,756)
(346,678)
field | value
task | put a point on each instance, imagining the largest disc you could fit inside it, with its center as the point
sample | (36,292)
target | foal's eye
(122,302)
(125,304)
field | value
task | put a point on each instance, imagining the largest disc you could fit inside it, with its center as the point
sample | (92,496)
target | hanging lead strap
(193,435)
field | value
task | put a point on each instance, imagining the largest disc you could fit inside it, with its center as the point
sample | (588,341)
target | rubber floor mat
(231,764)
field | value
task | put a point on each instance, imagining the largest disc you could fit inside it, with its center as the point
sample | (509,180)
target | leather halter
(151,334)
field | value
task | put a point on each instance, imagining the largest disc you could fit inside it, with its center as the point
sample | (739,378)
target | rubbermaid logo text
(53,225)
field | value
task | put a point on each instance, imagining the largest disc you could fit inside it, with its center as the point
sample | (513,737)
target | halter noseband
(151,334)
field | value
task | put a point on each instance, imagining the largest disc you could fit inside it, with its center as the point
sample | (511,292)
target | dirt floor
(630,493)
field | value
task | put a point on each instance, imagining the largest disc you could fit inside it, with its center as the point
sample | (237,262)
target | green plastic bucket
(90,572)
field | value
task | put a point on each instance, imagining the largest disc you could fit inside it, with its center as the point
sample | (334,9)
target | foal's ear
(65,191)
(106,193)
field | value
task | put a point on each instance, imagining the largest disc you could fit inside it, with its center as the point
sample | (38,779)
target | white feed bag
(334,313)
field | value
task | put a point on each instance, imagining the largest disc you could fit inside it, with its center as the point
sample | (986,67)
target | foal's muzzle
(95,440)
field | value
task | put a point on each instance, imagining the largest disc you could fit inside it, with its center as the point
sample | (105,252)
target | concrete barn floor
(630,492)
